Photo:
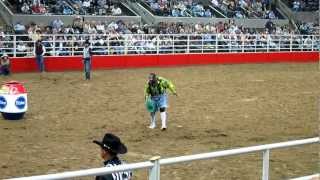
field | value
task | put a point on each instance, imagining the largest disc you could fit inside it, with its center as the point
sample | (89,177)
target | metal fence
(154,164)
(119,44)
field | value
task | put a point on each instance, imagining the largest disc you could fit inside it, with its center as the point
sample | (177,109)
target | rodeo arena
(160,89)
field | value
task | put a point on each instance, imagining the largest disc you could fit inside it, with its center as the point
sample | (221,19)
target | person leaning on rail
(111,146)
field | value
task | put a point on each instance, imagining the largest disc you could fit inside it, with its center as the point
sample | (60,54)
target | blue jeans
(40,62)
(87,67)
(160,101)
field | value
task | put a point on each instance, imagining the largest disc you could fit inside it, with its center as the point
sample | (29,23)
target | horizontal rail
(310,177)
(89,172)
(237,151)
(168,161)
(72,44)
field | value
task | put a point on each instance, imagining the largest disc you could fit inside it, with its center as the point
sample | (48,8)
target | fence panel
(118,44)
(154,164)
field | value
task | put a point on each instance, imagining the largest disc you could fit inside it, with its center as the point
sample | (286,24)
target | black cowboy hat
(112,143)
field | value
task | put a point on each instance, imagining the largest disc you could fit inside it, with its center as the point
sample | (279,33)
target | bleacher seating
(303,5)
(69,7)
(214,8)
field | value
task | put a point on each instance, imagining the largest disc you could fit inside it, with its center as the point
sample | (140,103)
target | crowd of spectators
(67,7)
(247,8)
(183,8)
(174,8)
(119,37)
(230,8)
(304,5)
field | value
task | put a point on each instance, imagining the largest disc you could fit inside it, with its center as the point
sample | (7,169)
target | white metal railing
(311,177)
(102,44)
(155,163)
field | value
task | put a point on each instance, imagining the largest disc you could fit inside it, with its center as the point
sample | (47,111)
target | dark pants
(40,62)
(87,67)
(5,70)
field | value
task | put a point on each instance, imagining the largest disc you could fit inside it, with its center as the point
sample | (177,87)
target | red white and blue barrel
(13,100)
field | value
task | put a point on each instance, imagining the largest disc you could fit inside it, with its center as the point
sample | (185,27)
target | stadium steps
(146,16)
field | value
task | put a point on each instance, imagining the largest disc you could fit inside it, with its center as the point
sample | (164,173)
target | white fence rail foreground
(154,164)
(311,177)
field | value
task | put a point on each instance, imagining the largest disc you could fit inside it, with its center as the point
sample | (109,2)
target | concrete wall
(253,23)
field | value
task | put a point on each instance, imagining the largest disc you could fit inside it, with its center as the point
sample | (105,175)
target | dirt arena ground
(219,107)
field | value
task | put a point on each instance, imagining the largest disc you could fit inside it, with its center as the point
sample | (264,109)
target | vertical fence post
(188,43)
(268,43)
(126,44)
(242,43)
(216,45)
(173,41)
(279,44)
(265,165)
(230,43)
(312,42)
(291,41)
(14,46)
(202,43)
(158,43)
(53,45)
(108,45)
(72,45)
(255,42)
(154,173)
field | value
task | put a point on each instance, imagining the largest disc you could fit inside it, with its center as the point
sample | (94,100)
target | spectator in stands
(207,13)
(296,6)
(66,10)
(37,7)
(270,26)
(39,52)
(77,24)
(111,146)
(270,15)
(215,3)
(5,65)
(36,34)
(57,24)
(86,5)
(156,8)
(61,46)
(19,28)
(21,49)
(257,8)
(197,10)
(175,12)
(25,9)
(116,11)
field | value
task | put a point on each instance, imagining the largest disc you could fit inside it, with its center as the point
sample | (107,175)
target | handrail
(90,172)
(155,163)
(71,44)
(237,151)
(311,177)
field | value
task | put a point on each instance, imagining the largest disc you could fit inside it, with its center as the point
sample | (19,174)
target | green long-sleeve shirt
(160,88)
